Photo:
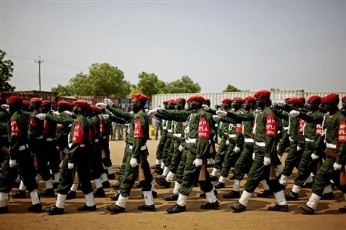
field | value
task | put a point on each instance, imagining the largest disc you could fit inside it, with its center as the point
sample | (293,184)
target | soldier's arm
(176,115)
(121,114)
(315,118)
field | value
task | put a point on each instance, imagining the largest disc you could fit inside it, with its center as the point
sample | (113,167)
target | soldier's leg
(242,166)
(219,157)
(226,166)
(290,163)
(7,177)
(304,170)
(322,178)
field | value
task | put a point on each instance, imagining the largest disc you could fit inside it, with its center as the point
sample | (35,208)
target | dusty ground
(257,217)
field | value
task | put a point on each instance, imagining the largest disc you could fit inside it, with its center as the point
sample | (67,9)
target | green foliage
(149,84)
(231,88)
(6,72)
(102,80)
(61,90)
(183,85)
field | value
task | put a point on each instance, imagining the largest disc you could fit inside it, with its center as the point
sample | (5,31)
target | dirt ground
(256,216)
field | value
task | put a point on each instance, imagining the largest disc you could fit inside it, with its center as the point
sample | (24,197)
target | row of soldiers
(55,146)
(254,133)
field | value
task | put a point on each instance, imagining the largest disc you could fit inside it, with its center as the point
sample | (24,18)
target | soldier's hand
(236,149)
(280,103)
(210,161)
(56,113)
(181,148)
(108,102)
(216,117)
(267,161)
(105,116)
(314,156)
(69,113)
(101,105)
(5,106)
(221,113)
(12,163)
(70,165)
(133,162)
(197,162)
(294,113)
(41,116)
(205,107)
(299,148)
(152,112)
(227,142)
(337,166)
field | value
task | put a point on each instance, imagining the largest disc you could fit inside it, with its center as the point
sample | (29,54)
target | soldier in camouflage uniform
(312,130)
(334,136)
(177,137)
(137,165)
(19,159)
(245,160)
(198,136)
(223,133)
(76,163)
(234,143)
(265,134)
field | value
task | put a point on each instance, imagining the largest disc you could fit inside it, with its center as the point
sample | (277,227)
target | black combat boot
(176,209)
(232,194)
(71,195)
(208,205)
(149,208)
(171,197)
(306,210)
(35,208)
(237,207)
(115,209)
(87,208)
(291,196)
(279,208)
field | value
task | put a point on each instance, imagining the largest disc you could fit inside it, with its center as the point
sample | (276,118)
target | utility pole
(39,61)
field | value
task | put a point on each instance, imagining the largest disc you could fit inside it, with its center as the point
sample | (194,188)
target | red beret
(196,98)
(178,100)
(262,93)
(14,99)
(323,100)
(165,102)
(81,103)
(95,109)
(172,101)
(330,98)
(314,98)
(46,102)
(226,101)
(35,100)
(63,103)
(140,97)
(238,99)
(343,98)
(294,100)
(250,99)
(26,102)
(302,100)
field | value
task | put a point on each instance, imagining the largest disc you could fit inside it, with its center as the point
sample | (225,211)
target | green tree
(183,85)
(149,84)
(231,88)
(6,72)
(61,90)
(102,80)
(108,80)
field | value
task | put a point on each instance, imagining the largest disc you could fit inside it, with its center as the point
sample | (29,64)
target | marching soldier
(334,136)
(76,163)
(137,165)
(265,134)
(198,136)
(19,159)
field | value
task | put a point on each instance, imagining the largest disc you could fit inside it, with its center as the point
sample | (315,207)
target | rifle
(272,172)
(141,175)
(203,172)
(75,176)
(189,147)
(343,176)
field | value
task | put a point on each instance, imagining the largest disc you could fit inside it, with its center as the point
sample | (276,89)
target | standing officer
(137,165)
(265,134)
(76,163)
(198,136)
(18,159)
(334,135)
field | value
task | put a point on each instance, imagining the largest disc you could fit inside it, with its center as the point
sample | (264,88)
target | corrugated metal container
(27,95)
(216,98)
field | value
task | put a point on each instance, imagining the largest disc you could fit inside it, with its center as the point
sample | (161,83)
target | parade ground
(256,216)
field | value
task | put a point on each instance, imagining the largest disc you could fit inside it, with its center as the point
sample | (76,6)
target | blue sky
(249,44)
